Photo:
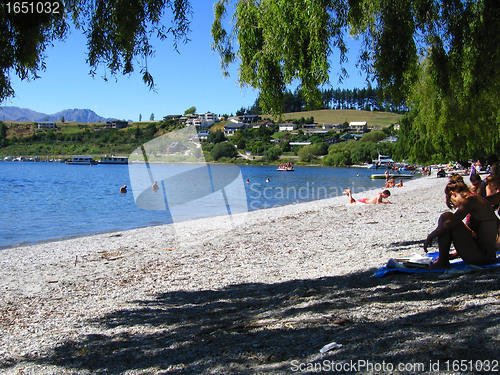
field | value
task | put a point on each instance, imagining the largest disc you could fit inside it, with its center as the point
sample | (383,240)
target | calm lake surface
(48,201)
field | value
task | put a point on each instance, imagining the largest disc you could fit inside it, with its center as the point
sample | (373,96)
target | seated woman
(475,244)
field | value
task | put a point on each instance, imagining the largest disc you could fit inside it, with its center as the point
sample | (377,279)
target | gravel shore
(264,297)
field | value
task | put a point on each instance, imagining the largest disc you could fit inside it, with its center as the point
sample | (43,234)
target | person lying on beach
(475,244)
(376,199)
(399,184)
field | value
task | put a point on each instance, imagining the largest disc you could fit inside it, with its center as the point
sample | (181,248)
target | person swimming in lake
(123,189)
(474,243)
(376,199)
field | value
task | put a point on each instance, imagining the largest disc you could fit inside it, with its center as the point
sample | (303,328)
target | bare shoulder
(478,204)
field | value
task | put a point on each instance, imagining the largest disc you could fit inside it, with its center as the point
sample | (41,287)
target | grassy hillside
(339,116)
(71,138)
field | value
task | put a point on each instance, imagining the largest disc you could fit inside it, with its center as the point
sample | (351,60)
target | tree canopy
(117,32)
(441,57)
(277,42)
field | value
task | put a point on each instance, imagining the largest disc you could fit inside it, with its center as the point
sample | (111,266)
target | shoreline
(308,193)
(254,295)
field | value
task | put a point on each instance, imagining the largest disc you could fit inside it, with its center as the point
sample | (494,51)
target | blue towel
(456,267)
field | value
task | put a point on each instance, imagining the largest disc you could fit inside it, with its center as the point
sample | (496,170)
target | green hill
(339,116)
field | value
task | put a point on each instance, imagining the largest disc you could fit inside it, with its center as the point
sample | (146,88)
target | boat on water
(82,160)
(114,160)
(383,161)
(287,167)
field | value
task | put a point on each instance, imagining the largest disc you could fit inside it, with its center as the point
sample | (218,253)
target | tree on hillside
(117,32)
(216,136)
(3,134)
(223,150)
(190,111)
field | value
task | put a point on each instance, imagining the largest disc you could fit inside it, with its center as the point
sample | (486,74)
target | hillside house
(248,119)
(202,120)
(45,125)
(287,127)
(358,127)
(232,128)
(336,127)
(116,124)
(264,123)
(203,133)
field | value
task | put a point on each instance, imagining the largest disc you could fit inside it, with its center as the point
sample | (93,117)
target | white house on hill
(358,127)
(287,127)
(45,125)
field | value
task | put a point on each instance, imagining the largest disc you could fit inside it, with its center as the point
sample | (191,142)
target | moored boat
(82,160)
(383,161)
(114,160)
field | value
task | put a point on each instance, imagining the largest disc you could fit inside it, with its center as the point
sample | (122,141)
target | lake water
(47,201)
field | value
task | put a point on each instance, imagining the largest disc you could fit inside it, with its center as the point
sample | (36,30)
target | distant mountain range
(25,114)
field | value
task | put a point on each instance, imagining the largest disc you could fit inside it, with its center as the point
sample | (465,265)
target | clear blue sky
(190,78)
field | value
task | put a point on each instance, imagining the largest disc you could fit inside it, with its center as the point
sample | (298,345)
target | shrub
(222,150)
(273,153)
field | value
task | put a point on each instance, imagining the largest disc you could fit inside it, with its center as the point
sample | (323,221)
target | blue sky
(190,78)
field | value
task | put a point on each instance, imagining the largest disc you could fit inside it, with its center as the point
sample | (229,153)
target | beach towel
(458,267)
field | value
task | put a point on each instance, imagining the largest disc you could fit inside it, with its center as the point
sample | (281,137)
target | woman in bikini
(476,243)
(377,199)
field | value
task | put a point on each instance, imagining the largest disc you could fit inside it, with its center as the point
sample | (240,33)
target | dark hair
(457,187)
(387,192)
(455,177)
(494,168)
(475,177)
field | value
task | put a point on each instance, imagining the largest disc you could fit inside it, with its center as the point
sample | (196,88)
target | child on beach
(376,199)
(476,243)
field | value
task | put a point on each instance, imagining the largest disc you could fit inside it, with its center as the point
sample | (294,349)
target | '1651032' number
(33,7)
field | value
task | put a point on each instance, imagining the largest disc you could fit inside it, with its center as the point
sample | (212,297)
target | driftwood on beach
(262,297)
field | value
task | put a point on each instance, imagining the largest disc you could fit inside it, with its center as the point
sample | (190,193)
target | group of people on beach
(473,227)
(390,183)
(379,197)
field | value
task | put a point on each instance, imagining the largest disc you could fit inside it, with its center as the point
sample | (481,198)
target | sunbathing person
(376,199)
(475,244)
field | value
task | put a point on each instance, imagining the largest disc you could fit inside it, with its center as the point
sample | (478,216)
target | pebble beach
(262,296)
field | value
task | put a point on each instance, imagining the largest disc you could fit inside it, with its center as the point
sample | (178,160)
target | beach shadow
(273,328)
(406,246)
